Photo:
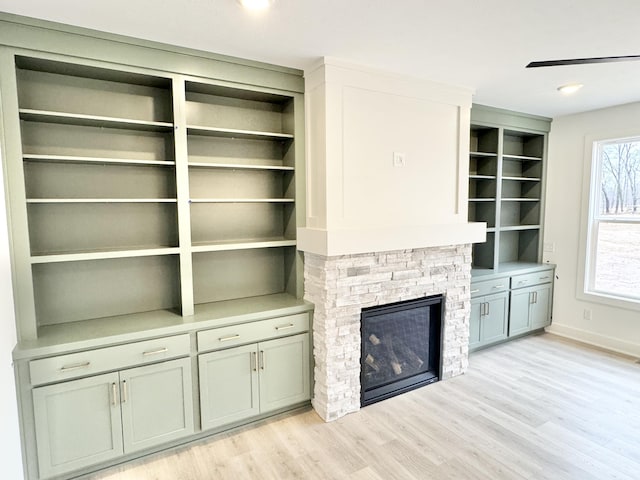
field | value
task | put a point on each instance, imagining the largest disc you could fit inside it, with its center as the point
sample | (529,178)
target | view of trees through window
(617,221)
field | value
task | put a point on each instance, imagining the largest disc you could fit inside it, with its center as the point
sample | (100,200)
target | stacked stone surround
(340,286)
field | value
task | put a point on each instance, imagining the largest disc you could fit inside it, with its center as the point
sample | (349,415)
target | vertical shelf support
(182,191)
(11,155)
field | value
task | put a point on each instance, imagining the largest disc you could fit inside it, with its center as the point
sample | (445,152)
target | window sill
(610,300)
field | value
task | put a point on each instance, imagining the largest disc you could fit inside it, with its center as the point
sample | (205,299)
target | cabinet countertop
(508,269)
(96,333)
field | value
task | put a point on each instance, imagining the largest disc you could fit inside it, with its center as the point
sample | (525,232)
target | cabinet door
(474,322)
(541,307)
(284,372)
(228,386)
(78,423)
(519,319)
(156,403)
(493,323)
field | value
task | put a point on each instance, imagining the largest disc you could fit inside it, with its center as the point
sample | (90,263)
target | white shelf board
(482,154)
(514,228)
(244,245)
(482,199)
(101,200)
(522,179)
(520,157)
(239,166)
(482,177)
(520,199)
(92,120)
(242,200)
(103,255)
(96,160)
(236,133)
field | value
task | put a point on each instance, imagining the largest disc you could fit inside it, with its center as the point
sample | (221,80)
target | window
(613,244)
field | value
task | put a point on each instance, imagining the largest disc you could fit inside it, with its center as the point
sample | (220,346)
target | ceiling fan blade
(582,61)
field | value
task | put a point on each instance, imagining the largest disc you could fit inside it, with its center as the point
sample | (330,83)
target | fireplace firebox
(401,345)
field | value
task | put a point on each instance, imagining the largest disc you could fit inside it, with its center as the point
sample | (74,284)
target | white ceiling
(482,44)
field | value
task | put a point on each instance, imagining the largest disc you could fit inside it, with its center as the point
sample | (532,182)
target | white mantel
(357,200)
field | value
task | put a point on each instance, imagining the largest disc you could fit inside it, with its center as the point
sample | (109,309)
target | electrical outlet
(399,159)
(549,247)
(586,314)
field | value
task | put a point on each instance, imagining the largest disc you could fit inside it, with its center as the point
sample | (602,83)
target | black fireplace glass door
(400,342)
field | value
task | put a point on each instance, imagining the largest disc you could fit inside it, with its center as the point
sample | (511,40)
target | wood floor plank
(539,408)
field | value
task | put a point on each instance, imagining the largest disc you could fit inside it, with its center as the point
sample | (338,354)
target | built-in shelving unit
(506,165)
(511,290)
(150,192)
(153,208)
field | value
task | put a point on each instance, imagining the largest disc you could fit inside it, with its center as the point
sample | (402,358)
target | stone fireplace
(387,162)
(341,286)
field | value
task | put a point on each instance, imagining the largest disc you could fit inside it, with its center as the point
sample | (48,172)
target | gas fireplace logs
(391,351)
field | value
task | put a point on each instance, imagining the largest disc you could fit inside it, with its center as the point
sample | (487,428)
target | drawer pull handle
(498,286)
(254,361)
(230,337)
(76,366)
(544,278)
(262,360)
(285,327)
(475,291)
(155,352)
(114,393)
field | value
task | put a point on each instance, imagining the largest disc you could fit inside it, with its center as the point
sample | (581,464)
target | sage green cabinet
(84,422)
(530,309)
(157,404)
(78,424)
(520,320)
(509,304)
(228,386)
(245,381)
(284,372)
(489,319)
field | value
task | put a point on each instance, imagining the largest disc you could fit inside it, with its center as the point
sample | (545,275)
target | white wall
(11,459)
(609,327)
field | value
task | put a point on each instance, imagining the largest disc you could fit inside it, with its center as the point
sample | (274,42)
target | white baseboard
(595,339)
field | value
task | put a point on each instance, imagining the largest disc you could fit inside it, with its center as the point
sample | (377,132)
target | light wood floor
(536,408)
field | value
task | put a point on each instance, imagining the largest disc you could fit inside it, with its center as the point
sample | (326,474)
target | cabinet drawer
(81,364)
(252,332)
(528,279)
(479,289)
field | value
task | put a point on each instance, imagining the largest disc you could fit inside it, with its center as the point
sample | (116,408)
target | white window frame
(591,197)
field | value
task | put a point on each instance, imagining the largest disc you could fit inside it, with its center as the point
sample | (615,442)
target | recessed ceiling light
(256,4)
(570,88)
